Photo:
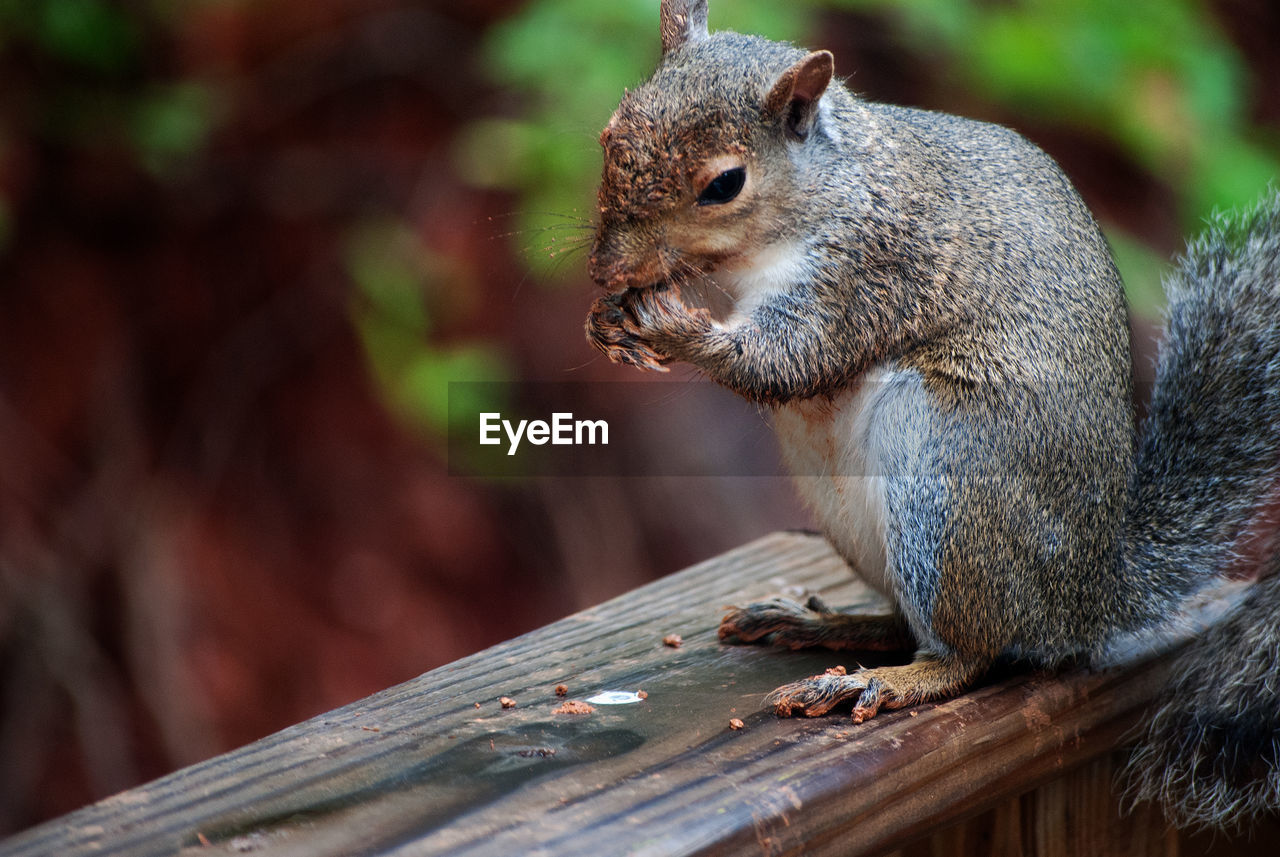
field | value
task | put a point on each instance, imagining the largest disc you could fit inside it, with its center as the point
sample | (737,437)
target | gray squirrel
(936,322)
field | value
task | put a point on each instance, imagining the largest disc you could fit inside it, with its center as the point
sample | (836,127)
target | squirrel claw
(636,354)
(607,328)
(926,678)
(639,326)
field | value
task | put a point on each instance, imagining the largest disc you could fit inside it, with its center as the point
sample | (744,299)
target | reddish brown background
(210,525)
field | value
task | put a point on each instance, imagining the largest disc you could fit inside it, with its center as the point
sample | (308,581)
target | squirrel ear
(682,21)
(794,98)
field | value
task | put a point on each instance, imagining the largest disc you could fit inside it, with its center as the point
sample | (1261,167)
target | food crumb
(675,641)
(573,706)
(642,694)
(536,753)
(735,724)
(561,690)
(477,705)
(837,670)
(507,702)
(913,713)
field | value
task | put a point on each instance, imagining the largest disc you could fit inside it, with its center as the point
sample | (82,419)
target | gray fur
(888,198)
(682,21)
(1212,751)
(1210,450)
(915,500)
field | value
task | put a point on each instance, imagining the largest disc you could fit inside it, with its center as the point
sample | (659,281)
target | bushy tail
(1211,755)
(1209,457)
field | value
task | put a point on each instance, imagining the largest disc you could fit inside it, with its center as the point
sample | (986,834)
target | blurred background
(245,246)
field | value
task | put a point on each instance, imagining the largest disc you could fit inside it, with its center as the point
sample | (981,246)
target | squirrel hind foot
(926,679)
(813,625)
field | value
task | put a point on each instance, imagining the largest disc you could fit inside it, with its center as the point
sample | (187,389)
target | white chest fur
(772,269)
(833,448)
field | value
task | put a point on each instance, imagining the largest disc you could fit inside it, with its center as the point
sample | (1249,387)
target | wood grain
(420,769)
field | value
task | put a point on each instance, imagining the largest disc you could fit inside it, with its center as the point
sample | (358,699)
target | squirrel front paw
(644,327)
(606,330)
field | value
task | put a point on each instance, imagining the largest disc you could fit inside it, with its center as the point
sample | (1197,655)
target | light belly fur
(830,446)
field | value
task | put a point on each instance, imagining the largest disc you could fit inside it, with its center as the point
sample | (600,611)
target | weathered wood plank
(419,769)
(1074,814)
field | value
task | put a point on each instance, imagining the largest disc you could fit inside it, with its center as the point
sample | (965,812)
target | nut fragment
(561,690)
(675,641)
(642,694)
(837,670)
(735,724)
(536,752)
(507,702)
(573,706)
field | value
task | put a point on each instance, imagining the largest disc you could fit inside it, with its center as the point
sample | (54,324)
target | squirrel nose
(613,274)
(611,264)
(625,256)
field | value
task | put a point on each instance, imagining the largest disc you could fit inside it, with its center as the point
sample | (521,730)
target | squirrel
(935,320)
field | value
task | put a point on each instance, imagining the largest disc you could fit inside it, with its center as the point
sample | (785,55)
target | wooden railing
(438,765)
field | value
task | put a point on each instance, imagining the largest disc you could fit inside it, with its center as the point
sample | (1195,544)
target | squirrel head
(699,161)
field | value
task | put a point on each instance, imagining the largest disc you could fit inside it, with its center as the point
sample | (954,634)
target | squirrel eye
(723,187)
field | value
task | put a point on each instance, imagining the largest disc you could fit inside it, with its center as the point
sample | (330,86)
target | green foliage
(394,275)
(98,94)
(1156,77)
(172,123)
(1142,269)
(95,35)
